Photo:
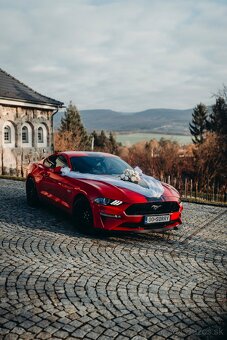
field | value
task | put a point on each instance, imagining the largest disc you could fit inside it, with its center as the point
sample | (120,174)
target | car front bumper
(115,218)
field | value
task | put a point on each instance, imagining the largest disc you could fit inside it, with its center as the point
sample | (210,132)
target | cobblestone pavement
(58,284)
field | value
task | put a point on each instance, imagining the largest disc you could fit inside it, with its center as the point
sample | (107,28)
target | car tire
(83,216)
(31,193)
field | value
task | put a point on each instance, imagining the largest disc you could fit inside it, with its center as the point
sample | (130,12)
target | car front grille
(152,208)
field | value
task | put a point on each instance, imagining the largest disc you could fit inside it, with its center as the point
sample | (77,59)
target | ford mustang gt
(101,191)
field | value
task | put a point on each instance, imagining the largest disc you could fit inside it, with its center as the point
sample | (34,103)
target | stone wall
(15,158)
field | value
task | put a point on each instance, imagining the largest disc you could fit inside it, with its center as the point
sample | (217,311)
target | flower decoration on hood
(130,176)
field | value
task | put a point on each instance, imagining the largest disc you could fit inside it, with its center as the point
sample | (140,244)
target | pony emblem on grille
(155,207)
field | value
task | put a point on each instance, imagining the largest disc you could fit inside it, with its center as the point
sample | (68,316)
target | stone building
(26,125)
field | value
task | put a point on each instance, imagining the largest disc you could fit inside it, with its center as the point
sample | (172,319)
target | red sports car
(102,191)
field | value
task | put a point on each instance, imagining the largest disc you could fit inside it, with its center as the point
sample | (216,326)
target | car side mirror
(57,170)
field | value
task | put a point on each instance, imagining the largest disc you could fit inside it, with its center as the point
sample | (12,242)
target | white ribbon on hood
(148,186)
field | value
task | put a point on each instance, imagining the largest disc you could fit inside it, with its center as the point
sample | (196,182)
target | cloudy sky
(125,55)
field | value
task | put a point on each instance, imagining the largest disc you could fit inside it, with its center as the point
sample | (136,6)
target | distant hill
(157,120)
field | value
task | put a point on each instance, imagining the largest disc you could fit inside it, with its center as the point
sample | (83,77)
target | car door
(46,183)
(62,189)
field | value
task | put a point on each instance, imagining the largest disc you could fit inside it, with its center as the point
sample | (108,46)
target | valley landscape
(131,138)
(131,127)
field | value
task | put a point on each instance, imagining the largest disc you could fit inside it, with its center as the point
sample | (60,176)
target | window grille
(25,138)
(7,134)
(40,135)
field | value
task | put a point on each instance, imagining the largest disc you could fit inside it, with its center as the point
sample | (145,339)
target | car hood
(148,187)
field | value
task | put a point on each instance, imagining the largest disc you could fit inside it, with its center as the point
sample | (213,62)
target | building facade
(26,125)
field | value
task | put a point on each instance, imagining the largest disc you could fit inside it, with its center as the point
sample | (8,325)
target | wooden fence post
(196,190)
(185,188)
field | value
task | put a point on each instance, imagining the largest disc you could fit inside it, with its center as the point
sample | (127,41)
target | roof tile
(11,88)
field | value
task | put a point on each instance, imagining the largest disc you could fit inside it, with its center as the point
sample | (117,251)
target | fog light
(110,215)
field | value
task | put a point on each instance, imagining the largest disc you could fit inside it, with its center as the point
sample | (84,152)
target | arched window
(25,137)
(40,135)
(7,134)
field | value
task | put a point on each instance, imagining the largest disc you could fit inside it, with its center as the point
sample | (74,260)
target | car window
(61,161)
(50,162)
(99,165)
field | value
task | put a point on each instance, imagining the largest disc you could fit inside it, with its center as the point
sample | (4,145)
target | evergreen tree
(218,118)
(198,125)
(72,129)
(103,140)
(113,146)
(104,143)
(100,140)
(218,125)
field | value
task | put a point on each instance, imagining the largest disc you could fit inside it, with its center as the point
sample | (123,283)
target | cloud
(124,55)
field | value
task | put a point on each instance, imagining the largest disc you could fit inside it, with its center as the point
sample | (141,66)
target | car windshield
(99,165)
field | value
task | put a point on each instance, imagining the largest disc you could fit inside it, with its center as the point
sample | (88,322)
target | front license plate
(157,219)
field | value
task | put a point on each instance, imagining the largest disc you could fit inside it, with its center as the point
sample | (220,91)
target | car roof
(85,153)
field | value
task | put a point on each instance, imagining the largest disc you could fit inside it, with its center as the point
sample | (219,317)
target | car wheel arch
(31,192)
(30,178)
(78,196)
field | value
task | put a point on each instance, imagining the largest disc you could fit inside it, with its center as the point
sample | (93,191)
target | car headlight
(107,201)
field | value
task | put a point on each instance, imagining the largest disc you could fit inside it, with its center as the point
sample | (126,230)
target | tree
(218,125)
(210,160)
(158,159)
(100,141)
(218,118)
(113,146)
(104,143)
(72,134)
(198,125)
(222,93)
(103,140)
(166,161)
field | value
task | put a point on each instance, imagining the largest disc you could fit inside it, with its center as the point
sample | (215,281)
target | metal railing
(192,191)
